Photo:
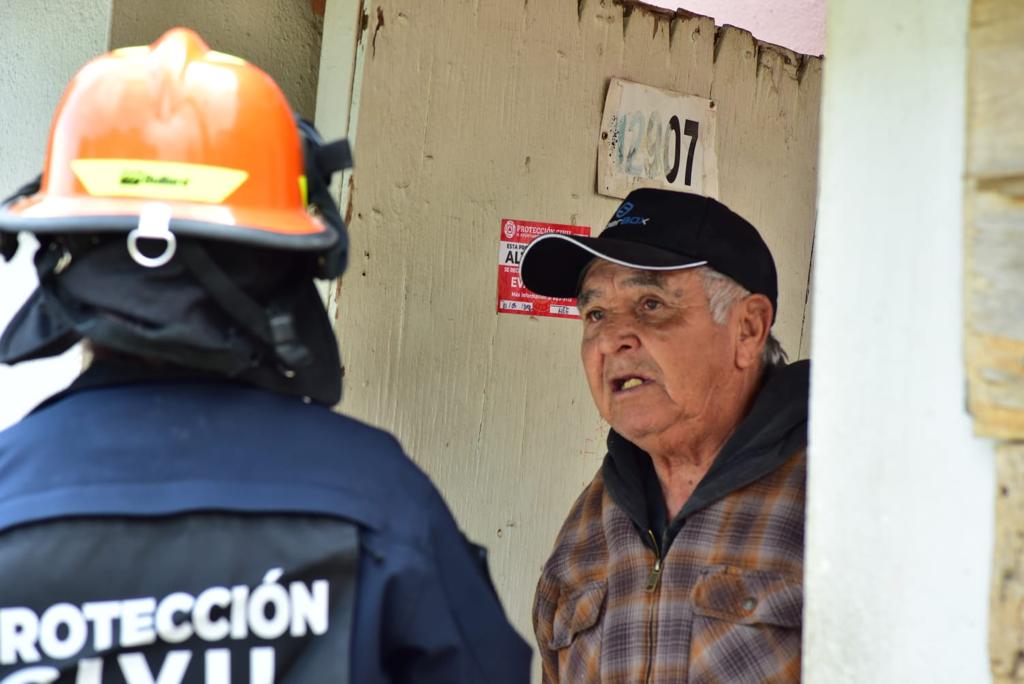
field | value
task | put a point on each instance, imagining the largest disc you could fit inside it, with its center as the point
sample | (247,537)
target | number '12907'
(650,149)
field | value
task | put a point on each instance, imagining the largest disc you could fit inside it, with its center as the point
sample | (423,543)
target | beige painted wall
(282,37)
(473,112)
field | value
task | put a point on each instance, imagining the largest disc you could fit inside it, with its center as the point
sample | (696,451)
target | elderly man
(682,560)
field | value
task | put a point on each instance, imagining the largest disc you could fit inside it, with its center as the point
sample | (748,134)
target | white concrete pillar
(901,493)
(44,44)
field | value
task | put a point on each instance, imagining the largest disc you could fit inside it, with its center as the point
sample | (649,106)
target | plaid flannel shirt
(726,608)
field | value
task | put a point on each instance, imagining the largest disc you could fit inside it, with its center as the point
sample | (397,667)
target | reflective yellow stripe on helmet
(157,179)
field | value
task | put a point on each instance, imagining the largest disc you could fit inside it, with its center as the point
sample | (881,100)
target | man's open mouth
(628,382)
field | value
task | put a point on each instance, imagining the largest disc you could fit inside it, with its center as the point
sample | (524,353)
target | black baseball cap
(658,230)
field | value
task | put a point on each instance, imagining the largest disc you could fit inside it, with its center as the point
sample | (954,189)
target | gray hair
(723,292)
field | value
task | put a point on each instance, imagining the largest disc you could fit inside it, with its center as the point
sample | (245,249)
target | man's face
(655,359)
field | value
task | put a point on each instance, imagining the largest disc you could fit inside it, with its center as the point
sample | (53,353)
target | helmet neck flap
(241,312)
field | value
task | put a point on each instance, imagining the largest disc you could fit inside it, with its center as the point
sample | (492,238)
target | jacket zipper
(655,576)
(652,586)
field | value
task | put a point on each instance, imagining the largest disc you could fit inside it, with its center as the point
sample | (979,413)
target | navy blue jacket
(176,500)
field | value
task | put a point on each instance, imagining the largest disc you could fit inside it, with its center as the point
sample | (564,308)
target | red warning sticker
(512,296)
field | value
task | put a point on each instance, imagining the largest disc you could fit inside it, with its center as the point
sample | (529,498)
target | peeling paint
(376,30)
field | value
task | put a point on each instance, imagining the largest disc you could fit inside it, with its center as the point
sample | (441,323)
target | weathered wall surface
(473,112)
(282,37)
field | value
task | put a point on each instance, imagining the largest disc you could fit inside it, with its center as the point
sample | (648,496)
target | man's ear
(753,323)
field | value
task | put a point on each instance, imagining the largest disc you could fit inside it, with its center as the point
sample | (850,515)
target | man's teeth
(631,383)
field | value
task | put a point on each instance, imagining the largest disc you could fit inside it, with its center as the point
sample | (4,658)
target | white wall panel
(900,500)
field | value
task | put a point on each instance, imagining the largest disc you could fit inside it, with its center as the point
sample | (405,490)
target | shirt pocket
(746,625)
(577,613)
(576,634)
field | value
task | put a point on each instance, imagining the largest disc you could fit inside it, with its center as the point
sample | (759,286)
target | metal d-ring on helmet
(190,150)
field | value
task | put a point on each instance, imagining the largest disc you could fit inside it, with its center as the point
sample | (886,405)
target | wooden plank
(995,314)
(336,97)
(996,98)
(994,308)
(1006,630)
(994,214)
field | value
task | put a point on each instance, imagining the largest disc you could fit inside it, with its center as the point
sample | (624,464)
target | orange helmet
(175,138)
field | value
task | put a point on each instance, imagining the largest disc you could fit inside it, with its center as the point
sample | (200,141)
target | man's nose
(618,334)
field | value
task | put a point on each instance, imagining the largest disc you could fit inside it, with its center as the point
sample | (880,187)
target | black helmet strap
(322,161)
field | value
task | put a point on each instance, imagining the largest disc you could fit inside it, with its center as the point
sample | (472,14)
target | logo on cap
(621,218)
